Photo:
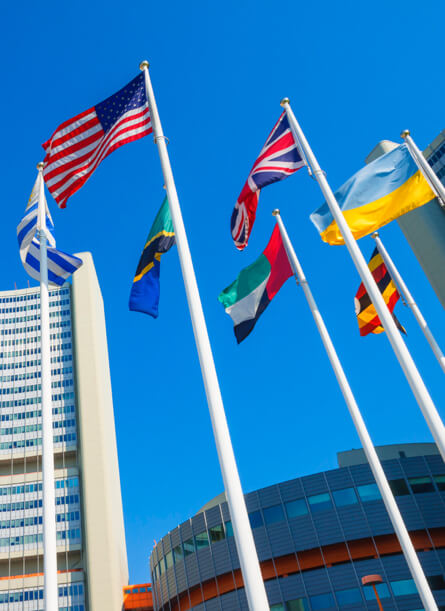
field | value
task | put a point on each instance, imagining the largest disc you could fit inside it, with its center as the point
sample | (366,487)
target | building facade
(91,554)
(316,537)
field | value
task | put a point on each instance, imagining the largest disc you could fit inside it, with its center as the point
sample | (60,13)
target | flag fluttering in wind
(144,296)
(60,264)
(367,317)
(79,145)
(376,195)
(250,294)
(279,158)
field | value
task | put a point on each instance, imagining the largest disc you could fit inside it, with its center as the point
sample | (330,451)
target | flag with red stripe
(79,145)
(367,317)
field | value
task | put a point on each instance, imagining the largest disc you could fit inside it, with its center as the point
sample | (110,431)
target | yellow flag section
(376,195)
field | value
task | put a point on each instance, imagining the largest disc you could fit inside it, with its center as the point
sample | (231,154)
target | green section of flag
(162,222)
(248,280)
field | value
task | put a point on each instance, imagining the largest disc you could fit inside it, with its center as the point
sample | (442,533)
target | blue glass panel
(344,497)
(296,508)
(298,604)
(347,597)
(382,591)
(421,484)
(320,502)
(368,492)
(273,514)
(189,547)
(322,601)
(201,540)
(229,529)
(256,519)
(403,587)
(279,607)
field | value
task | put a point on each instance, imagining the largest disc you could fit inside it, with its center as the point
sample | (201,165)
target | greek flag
(60,264)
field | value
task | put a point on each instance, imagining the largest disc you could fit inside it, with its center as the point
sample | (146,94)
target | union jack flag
(79,145)
(279,158)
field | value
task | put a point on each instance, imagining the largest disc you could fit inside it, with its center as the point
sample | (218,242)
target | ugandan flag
(250,294)
(144,296)
(368,320)
(376,195)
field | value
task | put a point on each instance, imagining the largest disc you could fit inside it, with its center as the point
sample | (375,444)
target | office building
(91,553)
(316,537)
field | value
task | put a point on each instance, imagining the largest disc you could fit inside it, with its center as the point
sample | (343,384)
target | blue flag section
(144,296)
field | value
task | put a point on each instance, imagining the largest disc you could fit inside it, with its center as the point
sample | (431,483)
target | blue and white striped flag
(60,264)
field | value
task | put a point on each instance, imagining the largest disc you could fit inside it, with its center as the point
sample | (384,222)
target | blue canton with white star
(130,97)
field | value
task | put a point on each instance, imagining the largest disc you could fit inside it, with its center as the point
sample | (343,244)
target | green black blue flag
(144,296)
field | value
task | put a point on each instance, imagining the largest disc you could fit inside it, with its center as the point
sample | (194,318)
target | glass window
(296,508)
(382,591)
(298,604)
(216,533)
(229,529)
(398,487)
(403,587)
(278,607)
(189,547)
(178,553)
(322,601)
(440,482)
(344,497)
(273,514)
(256,519)
(368,492)
(169,559)
(347,597)
(421,484)
(320,502)
(201,540)
(437,582)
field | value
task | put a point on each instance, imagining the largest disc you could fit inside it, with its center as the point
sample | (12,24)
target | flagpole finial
(375,235)
(284,101)
(40,165)
(405,133)
(144,64)
(276,212)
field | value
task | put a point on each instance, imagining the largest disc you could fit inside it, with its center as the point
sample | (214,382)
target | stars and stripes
(367,317)
(78,145)
(60,264)
(279,158)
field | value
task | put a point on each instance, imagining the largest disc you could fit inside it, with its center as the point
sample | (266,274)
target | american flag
(79,145)
(279,158)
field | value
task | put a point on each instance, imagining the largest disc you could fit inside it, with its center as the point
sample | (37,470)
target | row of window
(138,590)
(401,587)
(35,295)
(437,155)
(29,443)
(70,499)
(28,375)
(61,535)
(59,484)
(29,351)
(33,400)
(29,317)
(20,330)
(37,413)
(70,516)
(31,428)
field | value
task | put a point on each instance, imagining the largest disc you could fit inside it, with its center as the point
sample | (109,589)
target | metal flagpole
(415,381)
(245,545)
(374,462)
(423,165)
(403,289)
(49,506)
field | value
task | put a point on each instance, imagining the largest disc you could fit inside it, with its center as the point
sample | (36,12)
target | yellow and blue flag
(144,296)
(376,195)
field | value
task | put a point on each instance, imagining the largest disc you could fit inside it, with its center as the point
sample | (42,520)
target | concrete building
(316,537)
(91,552)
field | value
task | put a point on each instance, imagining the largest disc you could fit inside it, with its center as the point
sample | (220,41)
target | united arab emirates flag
(250,294)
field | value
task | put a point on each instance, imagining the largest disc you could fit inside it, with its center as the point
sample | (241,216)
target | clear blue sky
(356,73)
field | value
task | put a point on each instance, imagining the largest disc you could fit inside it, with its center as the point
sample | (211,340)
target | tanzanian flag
(367,317)
(144,296)
(250,294)
(376,195)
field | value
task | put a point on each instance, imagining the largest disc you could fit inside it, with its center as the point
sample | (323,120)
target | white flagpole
(245,545)
(403,289)
(415,381)
(374,462)
(49,505)
(423,165)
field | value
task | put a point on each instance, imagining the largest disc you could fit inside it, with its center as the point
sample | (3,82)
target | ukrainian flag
(376,195)
(144,296)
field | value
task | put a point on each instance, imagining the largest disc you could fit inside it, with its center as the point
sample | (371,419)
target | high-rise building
(91,552)
(316,536)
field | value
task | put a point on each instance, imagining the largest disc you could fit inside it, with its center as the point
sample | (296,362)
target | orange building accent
(138,597)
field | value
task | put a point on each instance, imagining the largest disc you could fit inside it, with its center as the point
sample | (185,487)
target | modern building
(91,552)
(138,597)
(316,537)
(424,228)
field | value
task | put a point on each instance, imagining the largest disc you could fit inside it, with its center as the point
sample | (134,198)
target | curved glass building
(316,537)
